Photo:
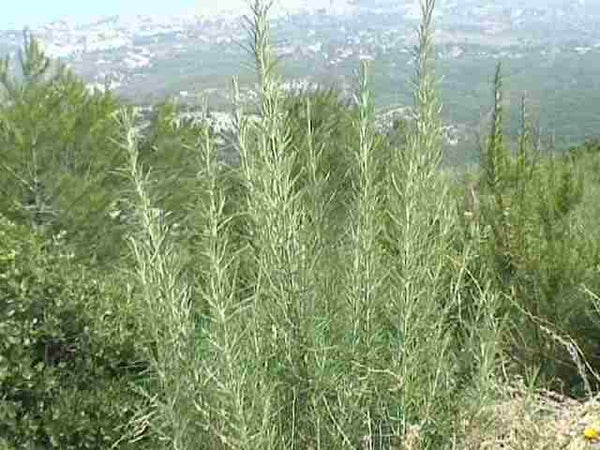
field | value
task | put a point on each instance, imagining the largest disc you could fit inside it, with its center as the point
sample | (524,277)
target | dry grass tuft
(538,420)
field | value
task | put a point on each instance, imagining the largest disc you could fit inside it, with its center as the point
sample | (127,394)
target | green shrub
(57,156)
(63,366)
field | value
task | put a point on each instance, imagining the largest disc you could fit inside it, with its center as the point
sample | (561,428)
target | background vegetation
(333,288)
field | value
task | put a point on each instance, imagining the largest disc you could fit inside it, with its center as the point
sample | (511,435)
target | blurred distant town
(147,59)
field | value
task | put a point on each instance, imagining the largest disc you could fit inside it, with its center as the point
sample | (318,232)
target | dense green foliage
(57,151)
(332,288)
(67,355)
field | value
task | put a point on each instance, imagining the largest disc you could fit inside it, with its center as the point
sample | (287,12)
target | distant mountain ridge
(551,49)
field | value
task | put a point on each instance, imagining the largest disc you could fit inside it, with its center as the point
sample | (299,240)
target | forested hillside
(303,280)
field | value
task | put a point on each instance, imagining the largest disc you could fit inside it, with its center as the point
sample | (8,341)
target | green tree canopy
(57,150)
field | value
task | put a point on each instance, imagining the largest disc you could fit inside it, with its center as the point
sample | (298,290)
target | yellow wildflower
(592,434)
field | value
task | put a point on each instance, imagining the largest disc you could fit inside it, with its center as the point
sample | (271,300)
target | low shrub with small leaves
(65,372)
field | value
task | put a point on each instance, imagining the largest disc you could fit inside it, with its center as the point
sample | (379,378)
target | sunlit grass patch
(524,419)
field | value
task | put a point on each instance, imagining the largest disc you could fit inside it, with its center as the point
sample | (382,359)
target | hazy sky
(33,12)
